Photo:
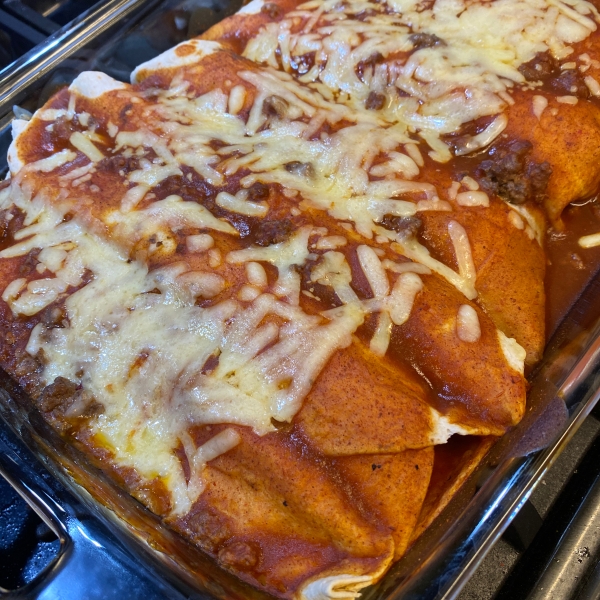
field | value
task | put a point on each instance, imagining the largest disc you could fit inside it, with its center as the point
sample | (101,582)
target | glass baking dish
(564,387)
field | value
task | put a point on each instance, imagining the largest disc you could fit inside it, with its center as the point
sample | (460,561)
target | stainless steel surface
(591,589)
(508,567)
(50,7)
(577,554)
(16,79)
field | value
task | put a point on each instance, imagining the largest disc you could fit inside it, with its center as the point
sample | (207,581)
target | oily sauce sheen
(570,267)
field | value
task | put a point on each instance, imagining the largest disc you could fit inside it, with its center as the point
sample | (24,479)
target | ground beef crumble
(63,403)
(272,232)
(510,173)
(545,68)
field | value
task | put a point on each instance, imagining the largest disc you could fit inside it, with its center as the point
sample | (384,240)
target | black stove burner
(26,23)
(27,544)
(87,563)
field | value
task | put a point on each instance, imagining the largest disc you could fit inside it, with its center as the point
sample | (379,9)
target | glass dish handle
(89,563)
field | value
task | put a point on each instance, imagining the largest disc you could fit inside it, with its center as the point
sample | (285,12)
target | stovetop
(535,545)
(27,544)
(26,23)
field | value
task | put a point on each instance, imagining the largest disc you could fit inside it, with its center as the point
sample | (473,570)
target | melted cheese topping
(334,271)
(256,274)
(240,205)
(199,243)
(464,257)
(284,256)
(138,343)
(592,85)
(85,145)
(330,242)
(589,241)
(467,324)
(540,103)
(331,172)
(170,214)
(474,198)
(463,70)
(373,270)
(394,306)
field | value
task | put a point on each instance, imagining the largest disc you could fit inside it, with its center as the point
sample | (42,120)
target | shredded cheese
(589,241)
(256,274)
(467,324)
(467,74)
(172,213)
(46,165)
(199,457)
(331,173)
(199,243)
(540,103)
(240,205)
(141,354)
(333,270)
(567,100)
(85,145)
(462,249)
(237,97)
(373,270)
(475,198)
(285,256)
(403,295)
(331,242)
(516,220)
(381,339)
(592,85)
